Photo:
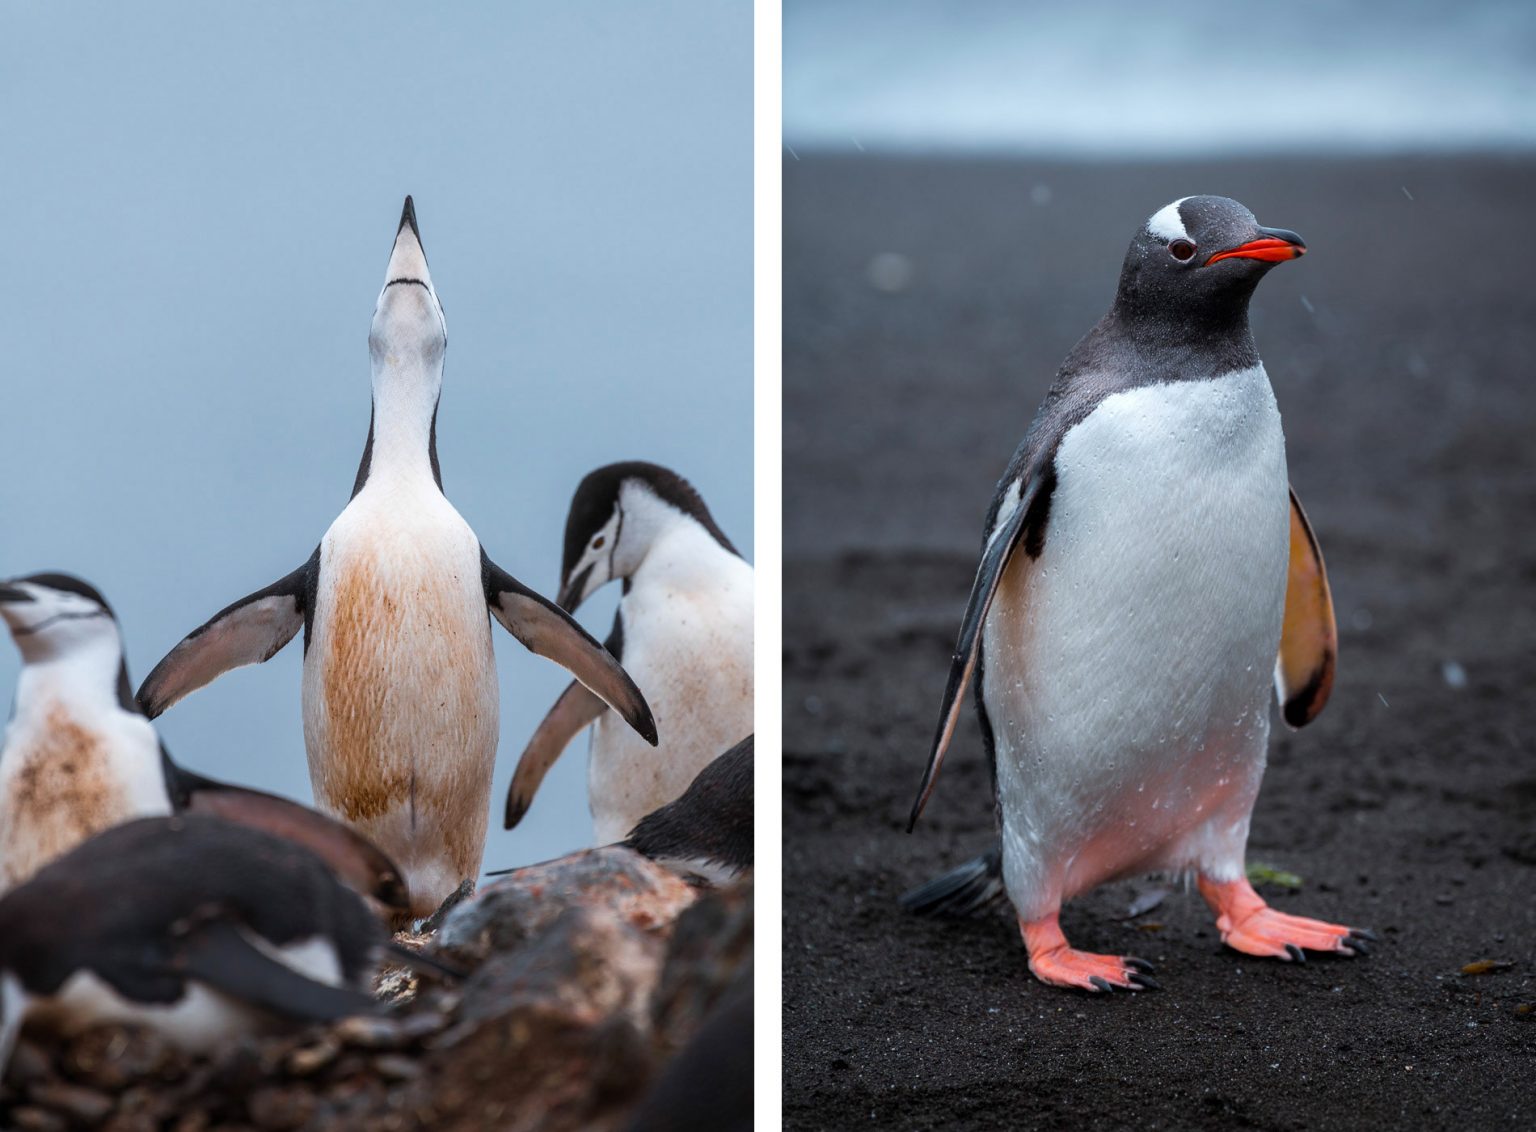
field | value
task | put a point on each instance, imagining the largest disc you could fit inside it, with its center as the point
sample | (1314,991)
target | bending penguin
(683,629)
(1146,573)
(400,696)
(230,930)
(79,756)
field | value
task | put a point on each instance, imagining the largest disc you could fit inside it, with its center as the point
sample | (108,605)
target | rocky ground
(587,977)
(928,304)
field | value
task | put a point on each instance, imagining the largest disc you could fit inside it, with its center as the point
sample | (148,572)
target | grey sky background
(1130,78)
(199,202)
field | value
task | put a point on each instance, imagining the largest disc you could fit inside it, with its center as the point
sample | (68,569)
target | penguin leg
(1249,925)
(1058,965)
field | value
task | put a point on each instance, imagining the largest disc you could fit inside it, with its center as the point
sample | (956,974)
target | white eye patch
(1166,224)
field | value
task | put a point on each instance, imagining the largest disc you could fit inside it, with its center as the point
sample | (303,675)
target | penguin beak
(12,594)
(570,593)
(1275,245)
(408,260)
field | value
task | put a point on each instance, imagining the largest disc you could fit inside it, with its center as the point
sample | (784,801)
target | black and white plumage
(707,832)
(683,629)
(194,926)
(400,695)
(1146,576)
(79,755)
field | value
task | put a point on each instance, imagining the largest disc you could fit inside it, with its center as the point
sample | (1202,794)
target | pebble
(85,1105)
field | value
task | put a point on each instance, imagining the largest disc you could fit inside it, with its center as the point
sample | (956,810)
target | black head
(1198,260)
(595,524)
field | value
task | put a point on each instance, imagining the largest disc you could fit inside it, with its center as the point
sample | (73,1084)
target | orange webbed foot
(1249,925)
(1058,965)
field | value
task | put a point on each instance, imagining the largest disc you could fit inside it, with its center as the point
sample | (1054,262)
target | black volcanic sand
(1401,353)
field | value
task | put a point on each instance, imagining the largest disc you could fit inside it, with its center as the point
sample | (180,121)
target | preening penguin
(706,833)
(683,630)
(400,696)
(1145,574)
(79,756)
(228,930)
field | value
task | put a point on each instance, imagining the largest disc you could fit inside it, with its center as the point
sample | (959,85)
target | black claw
(1297,954)
(1358,943)
(1102,984)
(1139,965)
(1365,933)
(1146,982)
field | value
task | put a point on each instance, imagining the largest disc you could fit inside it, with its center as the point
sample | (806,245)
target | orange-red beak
(1275,246)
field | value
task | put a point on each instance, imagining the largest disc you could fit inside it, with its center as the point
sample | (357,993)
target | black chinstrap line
(47,621)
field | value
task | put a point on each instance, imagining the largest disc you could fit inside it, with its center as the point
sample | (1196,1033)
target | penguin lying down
(79,755)
(228,930)
(705,836)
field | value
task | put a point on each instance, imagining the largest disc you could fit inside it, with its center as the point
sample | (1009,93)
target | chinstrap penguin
(1146,575)
(705,836)
(80,756)
(707,832)
(683,630)
(196,927)
(400,696)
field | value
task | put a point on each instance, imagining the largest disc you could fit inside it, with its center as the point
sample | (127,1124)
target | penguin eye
(1181,250)
(597,543)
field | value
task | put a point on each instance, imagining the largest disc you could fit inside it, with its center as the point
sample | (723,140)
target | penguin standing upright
(683,630)
(1145,574)
(79,756)
(400,696)
(196,927)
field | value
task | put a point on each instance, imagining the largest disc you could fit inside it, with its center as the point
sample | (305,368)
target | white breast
(400,692)
(1127,670)
(67,774)
(688,621)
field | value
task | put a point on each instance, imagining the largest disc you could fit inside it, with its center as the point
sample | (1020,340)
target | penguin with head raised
(683,630)
(400,696)
(1146,573)
(196,927)
(79,756)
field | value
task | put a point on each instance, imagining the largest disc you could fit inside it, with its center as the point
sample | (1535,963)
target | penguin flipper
(356,861)
(250,631)
(1309,638)
(226,958)
(574,710)
(963,891)
(1006,537)
(548,631)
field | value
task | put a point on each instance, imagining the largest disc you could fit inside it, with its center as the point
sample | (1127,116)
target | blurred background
(199,203)
(960,185)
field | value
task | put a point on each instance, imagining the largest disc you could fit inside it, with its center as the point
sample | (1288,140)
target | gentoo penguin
(683,629)
(194,926)
(400,692)
(1145,569)
(79,756)
(707,832)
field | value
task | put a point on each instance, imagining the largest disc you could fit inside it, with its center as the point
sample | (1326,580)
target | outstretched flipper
(356,861)
(1007,534)
(547,630)
(250,631)
(224,957)
(576,709)
(1309,640)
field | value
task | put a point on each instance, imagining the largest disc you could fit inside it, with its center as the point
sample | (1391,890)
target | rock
(281,1108)
(109,1057)
(711,947)
(508,913)
(82,1105)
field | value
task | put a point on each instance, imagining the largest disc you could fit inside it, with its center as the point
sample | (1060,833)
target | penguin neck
(90,677)
(402,433)
(1169,344)
(678,553)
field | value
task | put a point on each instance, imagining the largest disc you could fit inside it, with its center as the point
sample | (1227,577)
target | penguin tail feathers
(963,891)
